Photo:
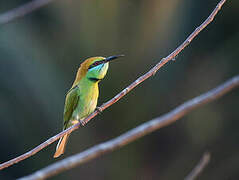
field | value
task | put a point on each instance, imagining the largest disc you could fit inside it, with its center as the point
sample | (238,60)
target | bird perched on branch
(81,99)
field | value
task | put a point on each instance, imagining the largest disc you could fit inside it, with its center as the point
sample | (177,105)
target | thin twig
(22,10)
(199,167)
(135,133)
(121,94)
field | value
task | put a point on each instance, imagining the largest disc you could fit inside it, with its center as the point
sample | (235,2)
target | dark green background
(40,54)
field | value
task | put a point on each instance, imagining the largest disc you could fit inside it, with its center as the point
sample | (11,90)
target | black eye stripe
(96,63)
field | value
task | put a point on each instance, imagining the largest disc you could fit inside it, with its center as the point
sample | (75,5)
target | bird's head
(94,68)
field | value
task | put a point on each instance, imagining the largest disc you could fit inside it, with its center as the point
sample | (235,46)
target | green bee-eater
(81,99)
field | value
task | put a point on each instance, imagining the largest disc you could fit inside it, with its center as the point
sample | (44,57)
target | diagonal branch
(122,93)
(135,133)
(22,10)
(199,167)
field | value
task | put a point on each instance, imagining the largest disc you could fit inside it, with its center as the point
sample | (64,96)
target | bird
(81,99)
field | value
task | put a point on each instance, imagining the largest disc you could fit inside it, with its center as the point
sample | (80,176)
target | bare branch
(121,94)
(22,11)
(135,133)
(199,167)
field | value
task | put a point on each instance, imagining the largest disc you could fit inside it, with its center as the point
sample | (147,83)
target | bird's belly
(90,107)
(85,108)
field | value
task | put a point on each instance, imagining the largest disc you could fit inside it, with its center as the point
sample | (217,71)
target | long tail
(60,148)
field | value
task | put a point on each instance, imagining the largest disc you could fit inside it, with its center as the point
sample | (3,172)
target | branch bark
(199,167)
(22,11)
(136,133)
(122,93)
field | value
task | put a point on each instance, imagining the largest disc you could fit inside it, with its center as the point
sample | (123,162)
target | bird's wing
(71,102)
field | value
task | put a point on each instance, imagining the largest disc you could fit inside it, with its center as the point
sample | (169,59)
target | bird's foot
(99,109)
(82,123)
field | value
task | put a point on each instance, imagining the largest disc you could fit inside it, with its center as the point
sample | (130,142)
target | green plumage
(81,99)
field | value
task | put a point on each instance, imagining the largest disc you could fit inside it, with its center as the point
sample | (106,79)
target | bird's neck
(80,75)
(89,91)
(89,83)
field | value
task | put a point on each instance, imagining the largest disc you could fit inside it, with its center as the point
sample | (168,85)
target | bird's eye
(96,63)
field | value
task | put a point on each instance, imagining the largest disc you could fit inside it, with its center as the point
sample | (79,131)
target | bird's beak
(110,58)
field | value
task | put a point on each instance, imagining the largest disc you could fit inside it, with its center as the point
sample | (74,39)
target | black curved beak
(110,58)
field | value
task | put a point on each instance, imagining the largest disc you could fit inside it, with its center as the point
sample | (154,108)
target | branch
(121,94)
(22,11)
(199,167)
(136,133)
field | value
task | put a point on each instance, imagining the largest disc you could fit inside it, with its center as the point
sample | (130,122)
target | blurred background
(41,52)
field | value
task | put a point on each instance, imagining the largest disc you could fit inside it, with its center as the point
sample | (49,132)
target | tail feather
(60,148)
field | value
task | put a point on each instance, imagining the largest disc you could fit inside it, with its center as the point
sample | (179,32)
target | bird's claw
(82,123)
(99,109)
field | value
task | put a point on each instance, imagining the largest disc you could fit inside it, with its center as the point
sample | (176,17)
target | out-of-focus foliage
(40,54)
